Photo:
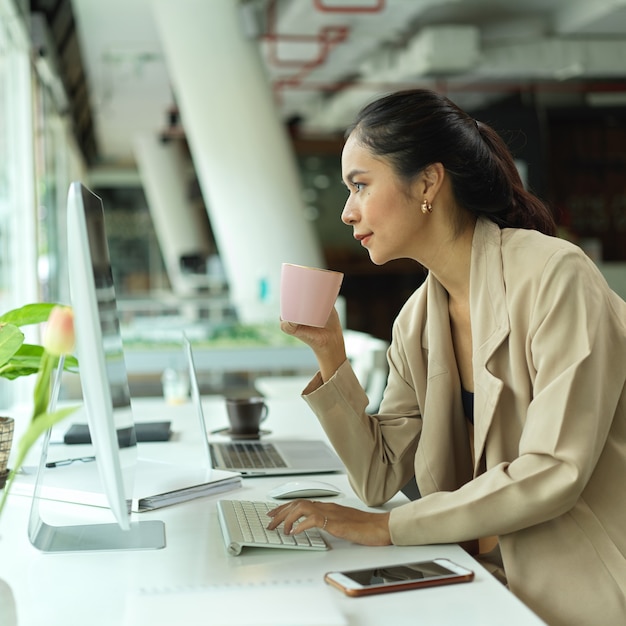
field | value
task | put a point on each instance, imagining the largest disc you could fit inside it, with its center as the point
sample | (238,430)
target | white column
(175,219)
(20,225)
(241,152)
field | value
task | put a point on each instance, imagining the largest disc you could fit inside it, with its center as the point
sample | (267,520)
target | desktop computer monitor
(99,346)
(104,382)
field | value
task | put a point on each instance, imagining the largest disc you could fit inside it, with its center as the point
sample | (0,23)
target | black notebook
(144,431)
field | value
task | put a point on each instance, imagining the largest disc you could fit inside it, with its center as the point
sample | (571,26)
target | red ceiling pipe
(327,38)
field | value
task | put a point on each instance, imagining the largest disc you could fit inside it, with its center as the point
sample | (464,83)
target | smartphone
(372,580)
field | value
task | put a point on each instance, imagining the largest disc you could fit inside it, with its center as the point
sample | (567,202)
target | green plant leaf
(29,350)
(11,339)
(11,371)
(31,353)
(29,314)
(26,361)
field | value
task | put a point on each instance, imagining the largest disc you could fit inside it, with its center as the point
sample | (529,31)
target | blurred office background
(212,130)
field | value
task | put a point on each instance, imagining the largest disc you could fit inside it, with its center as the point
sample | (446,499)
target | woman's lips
(363,238)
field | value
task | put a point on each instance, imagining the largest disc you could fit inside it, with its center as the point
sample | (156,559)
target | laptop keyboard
(244,523)
(251,454)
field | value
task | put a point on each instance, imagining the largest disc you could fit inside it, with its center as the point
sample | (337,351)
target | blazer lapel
(444,431)
(490,326)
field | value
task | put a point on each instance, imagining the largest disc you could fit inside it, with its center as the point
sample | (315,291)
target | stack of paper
(156,484)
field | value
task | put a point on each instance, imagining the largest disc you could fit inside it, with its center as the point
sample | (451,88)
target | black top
(468,404)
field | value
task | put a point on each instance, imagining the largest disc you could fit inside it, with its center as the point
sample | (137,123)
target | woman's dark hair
(414,128)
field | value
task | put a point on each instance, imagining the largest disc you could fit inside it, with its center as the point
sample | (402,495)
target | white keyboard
(244,524)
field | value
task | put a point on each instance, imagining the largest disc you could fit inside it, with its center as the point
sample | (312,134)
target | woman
(506,392)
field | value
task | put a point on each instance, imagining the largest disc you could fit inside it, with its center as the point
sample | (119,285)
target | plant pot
(8,612)
(6,440)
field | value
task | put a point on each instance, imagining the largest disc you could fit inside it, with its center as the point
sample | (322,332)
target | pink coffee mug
(308,294)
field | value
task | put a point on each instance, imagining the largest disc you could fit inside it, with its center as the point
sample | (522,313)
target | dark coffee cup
(246,414)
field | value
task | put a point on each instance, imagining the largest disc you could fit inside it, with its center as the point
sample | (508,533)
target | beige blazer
(549,479)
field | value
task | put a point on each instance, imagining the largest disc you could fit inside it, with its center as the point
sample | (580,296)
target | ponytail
(523,209)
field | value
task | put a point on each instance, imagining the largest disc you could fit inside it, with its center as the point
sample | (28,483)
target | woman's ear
(431,180)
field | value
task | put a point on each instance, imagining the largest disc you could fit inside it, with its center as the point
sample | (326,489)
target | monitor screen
(99,348)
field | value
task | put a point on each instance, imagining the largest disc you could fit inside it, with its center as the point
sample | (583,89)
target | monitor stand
(144,535)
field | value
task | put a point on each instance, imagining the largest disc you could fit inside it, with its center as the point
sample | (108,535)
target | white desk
(95,588)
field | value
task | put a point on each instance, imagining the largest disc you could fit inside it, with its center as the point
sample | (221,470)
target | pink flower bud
(59,335)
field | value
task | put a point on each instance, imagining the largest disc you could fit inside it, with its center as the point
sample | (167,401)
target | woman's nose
(348,215)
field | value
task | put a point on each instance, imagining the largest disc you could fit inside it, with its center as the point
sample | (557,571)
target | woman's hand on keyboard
(370,529)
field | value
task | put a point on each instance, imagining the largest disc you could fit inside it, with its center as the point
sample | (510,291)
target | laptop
(263,458)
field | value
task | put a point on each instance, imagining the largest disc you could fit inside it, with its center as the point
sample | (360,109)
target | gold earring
(427,207)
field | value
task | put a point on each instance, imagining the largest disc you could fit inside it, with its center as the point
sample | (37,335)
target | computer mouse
(303,489)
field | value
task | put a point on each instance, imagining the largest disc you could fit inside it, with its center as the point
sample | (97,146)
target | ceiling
(325,58)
